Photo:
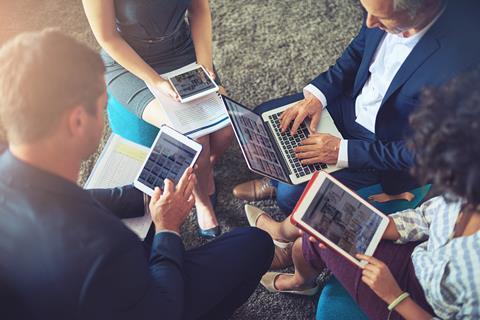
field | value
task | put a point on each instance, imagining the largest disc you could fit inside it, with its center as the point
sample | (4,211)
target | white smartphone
(338,217)
(170,155)
(193,83)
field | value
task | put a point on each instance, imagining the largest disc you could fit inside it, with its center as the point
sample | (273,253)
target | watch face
(192,82)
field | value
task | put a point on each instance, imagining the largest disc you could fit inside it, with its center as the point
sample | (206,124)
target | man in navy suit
(64,253)
(403,46)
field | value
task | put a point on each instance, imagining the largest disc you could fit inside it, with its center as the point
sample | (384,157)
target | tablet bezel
(166,130)
(309,194)
(197,95)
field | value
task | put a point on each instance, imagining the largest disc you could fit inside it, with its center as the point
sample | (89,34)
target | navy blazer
(449,48)
(64,254)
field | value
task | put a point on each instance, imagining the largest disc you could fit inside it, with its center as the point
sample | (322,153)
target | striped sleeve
(414,224)
(460,286)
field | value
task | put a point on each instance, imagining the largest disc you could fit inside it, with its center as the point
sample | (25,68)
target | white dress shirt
(391,53)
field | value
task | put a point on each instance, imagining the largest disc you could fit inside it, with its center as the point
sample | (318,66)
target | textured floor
(263,49)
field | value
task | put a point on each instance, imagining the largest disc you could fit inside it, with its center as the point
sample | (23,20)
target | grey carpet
(263,50)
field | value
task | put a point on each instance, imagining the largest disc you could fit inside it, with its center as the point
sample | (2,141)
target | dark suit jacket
(449,48)
(64,254)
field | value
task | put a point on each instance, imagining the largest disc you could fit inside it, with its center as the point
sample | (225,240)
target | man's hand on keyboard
(309,107)
(319,148)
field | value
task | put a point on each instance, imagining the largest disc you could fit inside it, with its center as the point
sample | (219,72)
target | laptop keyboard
(289,143)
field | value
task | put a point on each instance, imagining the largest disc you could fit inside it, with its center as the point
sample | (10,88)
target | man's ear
(76,120)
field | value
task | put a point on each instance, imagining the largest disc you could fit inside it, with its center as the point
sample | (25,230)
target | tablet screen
(342,219)
(192,82)
(168,160)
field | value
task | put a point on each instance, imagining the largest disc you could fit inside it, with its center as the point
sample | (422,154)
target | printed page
(196,118)
(118,165)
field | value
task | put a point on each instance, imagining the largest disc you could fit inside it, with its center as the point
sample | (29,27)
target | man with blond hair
(64,253)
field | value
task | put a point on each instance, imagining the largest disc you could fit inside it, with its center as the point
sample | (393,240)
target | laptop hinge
(281,157)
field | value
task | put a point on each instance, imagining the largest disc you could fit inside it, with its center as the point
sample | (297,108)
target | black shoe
(211,233)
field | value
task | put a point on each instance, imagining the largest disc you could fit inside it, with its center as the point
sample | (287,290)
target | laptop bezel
(236,130)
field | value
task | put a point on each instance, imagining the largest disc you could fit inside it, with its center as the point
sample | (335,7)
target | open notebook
(118,165)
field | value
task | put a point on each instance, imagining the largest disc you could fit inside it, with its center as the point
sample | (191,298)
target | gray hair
(411,6)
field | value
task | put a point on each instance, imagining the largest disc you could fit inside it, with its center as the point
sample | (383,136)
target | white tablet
(338,217)
(170,155)
(194,82)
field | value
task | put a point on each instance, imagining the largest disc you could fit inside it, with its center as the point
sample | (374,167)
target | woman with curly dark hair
(428,264)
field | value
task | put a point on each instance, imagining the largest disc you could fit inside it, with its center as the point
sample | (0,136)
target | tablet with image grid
(338,217)
(193,83)
(170,155)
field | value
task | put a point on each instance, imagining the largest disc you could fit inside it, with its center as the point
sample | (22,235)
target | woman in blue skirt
(142,39)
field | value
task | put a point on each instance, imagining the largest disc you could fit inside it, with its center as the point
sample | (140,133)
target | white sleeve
(342,161)
(317,93)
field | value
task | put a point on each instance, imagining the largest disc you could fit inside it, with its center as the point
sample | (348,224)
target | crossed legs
(221,275)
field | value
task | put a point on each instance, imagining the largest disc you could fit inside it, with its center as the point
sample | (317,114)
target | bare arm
(378,277)
(101,17)
(412,311)
(391,233)
(201,24)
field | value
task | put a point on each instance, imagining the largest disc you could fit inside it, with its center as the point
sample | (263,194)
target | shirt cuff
(405,226)
(317,93)
(401,229)
(168,231)
(342,161)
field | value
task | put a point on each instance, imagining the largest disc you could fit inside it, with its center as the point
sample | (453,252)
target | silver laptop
(270,152)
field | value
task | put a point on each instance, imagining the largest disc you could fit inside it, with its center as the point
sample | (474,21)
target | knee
(260,239)
(297,249)
(259,245)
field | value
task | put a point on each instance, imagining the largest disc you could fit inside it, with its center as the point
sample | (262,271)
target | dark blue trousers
(221,275)
(343,114)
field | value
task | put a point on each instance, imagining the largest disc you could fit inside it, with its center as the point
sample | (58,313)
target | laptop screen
(254,141)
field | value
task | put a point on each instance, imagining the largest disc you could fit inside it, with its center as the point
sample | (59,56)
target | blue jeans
(288,195)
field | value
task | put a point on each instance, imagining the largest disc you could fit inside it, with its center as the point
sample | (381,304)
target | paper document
(196,118)
(118,165)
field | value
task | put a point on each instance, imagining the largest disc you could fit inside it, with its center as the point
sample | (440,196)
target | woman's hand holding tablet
(193,83)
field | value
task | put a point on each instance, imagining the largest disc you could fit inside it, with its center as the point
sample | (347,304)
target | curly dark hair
(446,138)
